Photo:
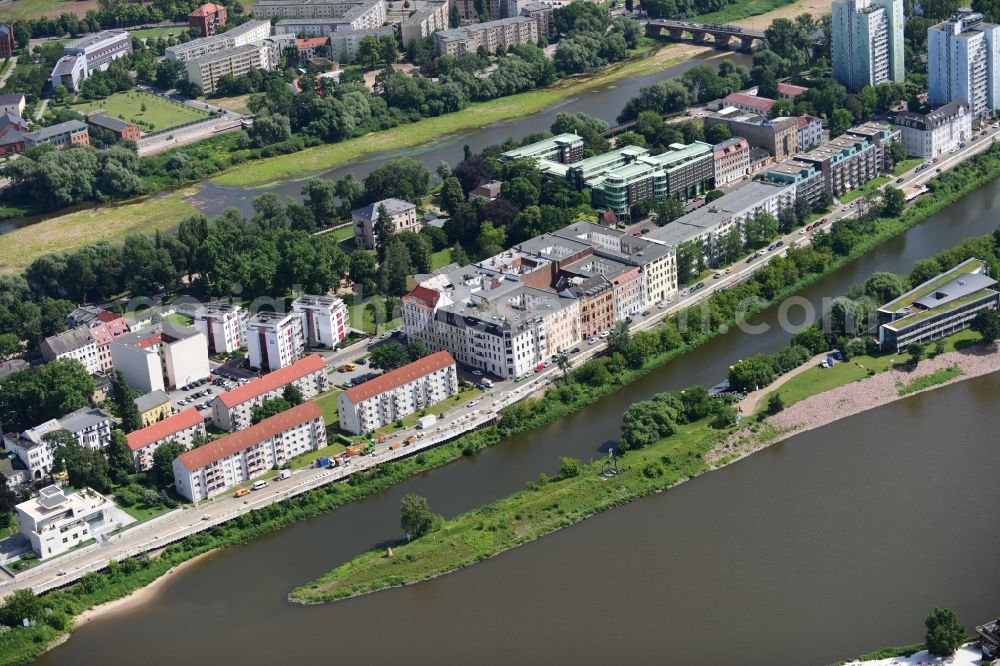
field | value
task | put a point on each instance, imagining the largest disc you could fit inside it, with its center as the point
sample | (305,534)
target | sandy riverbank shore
(871,392)
(141,596)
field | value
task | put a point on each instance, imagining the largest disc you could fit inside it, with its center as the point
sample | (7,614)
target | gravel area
(869,393)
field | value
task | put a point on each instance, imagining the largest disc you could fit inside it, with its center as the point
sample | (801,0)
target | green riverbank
(22,645)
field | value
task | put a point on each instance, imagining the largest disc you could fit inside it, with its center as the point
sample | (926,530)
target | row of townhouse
(181,428)
(514,311)
(89,343)
(233,409)
(398,393)
(91,427)
(216,467)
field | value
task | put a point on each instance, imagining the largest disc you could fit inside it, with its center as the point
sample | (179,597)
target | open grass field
(108,223)
(165,31)
(327,404)
(309,459)
(906,165)
(363,318)
(237,104)
(27,9)
(441,258)
(160,113)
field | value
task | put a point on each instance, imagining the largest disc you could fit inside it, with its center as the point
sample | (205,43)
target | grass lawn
(906,165)
(327,404)
(463,396)
(237,103)
(27,9)
(144,514)
(343,233)
(146,33)
(160,113)
(177,318)
(6,531)
(363,318)
(300,164)
(541,508)
(110,223)
(741,10)
(865,189)
(441,258)
(309,459)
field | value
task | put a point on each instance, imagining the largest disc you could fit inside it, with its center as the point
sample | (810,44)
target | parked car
(258,485)
(718,274)
(241,492)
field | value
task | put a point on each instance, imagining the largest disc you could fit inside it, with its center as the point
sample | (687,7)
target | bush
(569,468)
(652,470)
(775,404)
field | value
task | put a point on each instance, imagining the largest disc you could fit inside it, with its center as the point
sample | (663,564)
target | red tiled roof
(205,10)
(242,439)
(161,429)
(802,121)
(311,42)
(106,316)
(791,90)
(752,101)
(272,381)
(399,376)
(422,296)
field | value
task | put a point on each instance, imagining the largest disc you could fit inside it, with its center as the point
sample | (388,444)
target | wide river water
(836,542)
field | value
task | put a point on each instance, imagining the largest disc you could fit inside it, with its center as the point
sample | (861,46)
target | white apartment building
(427,20)
(324,319)
(810,132)
(937,132)
(224,326)
(205,71)
(867,42)
(963,57)
(56,520)
(251,32)
(76,344)
(732,160)
(214,468)
(233,410)
(89,54)
(179,353)
(402,213)
(275,339)
(491,35)
(398,393)
(181,428)
(352,14)
(90,426)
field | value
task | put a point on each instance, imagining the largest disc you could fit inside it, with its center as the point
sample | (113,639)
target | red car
(809,228)
(539,367)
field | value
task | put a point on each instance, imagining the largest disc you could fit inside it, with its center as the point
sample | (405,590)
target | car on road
(754,256)
(258,485)
(718,274)
(644,313)
(477,372)
(591,341)
(729,270)
(698,286)
(604,334)
(661,305)
(644,230)
(781,242)
(899,180)
(473,403)
(809,228)
(241,492)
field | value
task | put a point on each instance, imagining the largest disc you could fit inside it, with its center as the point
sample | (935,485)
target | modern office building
(805,176)
(398,393)
(732,161)
(711,223)
(867,42)
(424,22)
(214,468)
(89,54)
(145,357)
(936,132)
(324,319)
(181,428)
(853,158)
(63,135)
(224,326)
(207,18)
(941,306)
(402,213)
(778,136)
(58,520)
(562,148)
(251,32)
(963,57)
(491,36)
(275,339)
(233,409)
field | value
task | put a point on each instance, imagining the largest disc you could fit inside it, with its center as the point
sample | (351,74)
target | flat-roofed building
(562,148)
(251,32)
(58,520)
(349,14)
(866,42)
(936,132)
(424,22)
(805,176)
(541,12)
(939,307)
(214,468)
(145,357)
(205,71)
(181,428)
(224,326)
(233,410)
(491,35)
(275,339)
(89,54)
(853,158)
(324,319)
(398,393)
(779,136)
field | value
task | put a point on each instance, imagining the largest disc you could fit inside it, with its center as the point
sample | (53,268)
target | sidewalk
(749,404)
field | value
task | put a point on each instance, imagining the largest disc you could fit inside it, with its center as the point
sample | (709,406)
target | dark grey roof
(11,98)
(107,122)
(370,212)
(150,400)
(55,130)
(67,341)
(963,285)
(12,366)
(932,119)
(83,418)
(66,64)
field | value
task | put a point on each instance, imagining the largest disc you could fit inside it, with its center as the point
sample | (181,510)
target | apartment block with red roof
(216,467)
(307,46)
(233,410)
(398,393)
(748,103)
(207,18)
(181,428)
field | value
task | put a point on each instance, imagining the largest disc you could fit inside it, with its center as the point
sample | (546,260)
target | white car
(718,275)
(661,305)
(477,372)
(473,403)
(604,334)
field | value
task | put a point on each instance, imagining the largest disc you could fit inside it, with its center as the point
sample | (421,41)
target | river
(835,542)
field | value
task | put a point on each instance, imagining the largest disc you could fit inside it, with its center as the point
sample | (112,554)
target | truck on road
(425,422)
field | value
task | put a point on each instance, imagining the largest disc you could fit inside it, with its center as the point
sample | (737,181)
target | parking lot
(200,394)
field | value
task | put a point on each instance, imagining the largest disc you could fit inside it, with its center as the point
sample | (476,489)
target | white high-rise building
(224,325)
(962,57)
(275,339)
(324,319)
(867,42)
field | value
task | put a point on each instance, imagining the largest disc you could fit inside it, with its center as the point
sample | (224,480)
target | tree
(124,399)
(565,365)
(916,350)
(883,286)
(384,229)
(416,517)
(270,129)
(454,17)
(775,404)
(120,462)
(388,356)
(840,122)
(760,230)
(945,633)
(292,395)
(269,408)
(162,471)
(718,133)
(987,324)
(85,467)
(451,194)
(319,196)
(687,261)
(20,605)
(893,201)
(369,53)
(750,374)
(363,270)
(9,344)
(395,268)
(647,422)
(619,337)
(667,211)
(30,397)
(569,467)
(472,172)
(401,178)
